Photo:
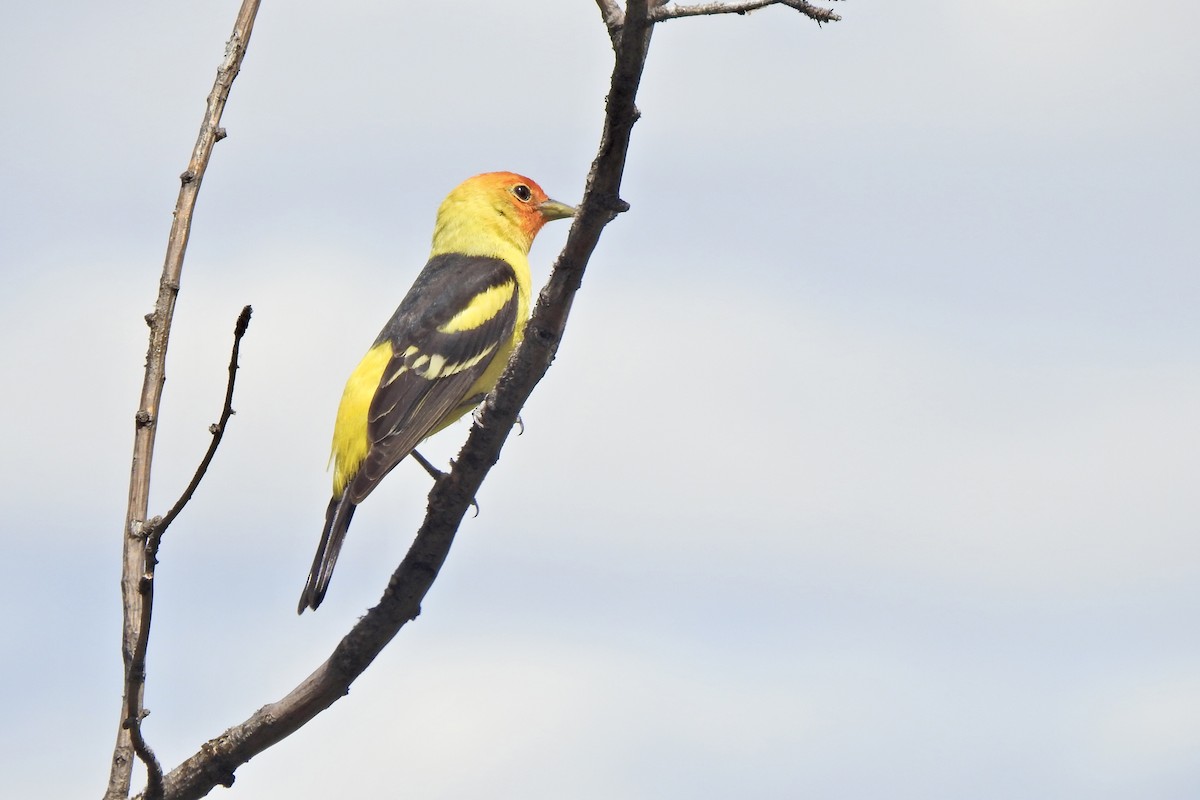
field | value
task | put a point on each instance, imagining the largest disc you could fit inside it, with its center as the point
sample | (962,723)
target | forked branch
(673,11)
(136,592)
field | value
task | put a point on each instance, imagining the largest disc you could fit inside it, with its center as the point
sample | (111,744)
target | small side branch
(217,430)
(672,11)
(152,532)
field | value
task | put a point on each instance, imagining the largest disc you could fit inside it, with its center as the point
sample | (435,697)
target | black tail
(337,520)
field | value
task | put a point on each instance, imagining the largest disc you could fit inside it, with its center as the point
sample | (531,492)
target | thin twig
(812,12)
(137,595)
(672,11)
(217,430)
(153,531)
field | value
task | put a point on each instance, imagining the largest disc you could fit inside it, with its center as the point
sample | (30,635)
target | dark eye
(522,192)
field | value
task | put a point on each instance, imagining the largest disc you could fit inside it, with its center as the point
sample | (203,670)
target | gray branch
(672,11)
(137,568)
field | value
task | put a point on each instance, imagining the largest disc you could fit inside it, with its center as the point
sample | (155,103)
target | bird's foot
(437,474)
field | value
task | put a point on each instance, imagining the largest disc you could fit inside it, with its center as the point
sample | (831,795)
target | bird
(443,349)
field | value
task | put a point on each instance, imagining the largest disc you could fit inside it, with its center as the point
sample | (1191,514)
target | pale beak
(552,209)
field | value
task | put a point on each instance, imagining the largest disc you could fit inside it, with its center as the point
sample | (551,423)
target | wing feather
(446,332)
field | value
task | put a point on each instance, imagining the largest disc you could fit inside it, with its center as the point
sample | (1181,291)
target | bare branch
(217,430)
(154,773)
(613,16)
(672,11)
(153,531)
(136,591)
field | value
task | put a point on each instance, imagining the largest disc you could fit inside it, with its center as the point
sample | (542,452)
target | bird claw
(477,415)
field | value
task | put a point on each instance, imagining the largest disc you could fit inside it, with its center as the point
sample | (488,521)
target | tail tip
(309,598)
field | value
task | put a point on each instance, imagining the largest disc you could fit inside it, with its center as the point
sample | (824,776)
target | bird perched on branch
(443,349)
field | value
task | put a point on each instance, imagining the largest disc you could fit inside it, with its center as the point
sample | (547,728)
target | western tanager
(443,349)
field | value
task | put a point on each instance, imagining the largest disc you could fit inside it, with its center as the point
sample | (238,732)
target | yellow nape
(350,443)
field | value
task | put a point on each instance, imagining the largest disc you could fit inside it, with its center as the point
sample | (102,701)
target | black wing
(459,313)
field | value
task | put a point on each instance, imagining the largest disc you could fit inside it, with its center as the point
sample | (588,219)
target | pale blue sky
(867,468)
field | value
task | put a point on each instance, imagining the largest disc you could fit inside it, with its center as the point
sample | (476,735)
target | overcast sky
(868,467)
